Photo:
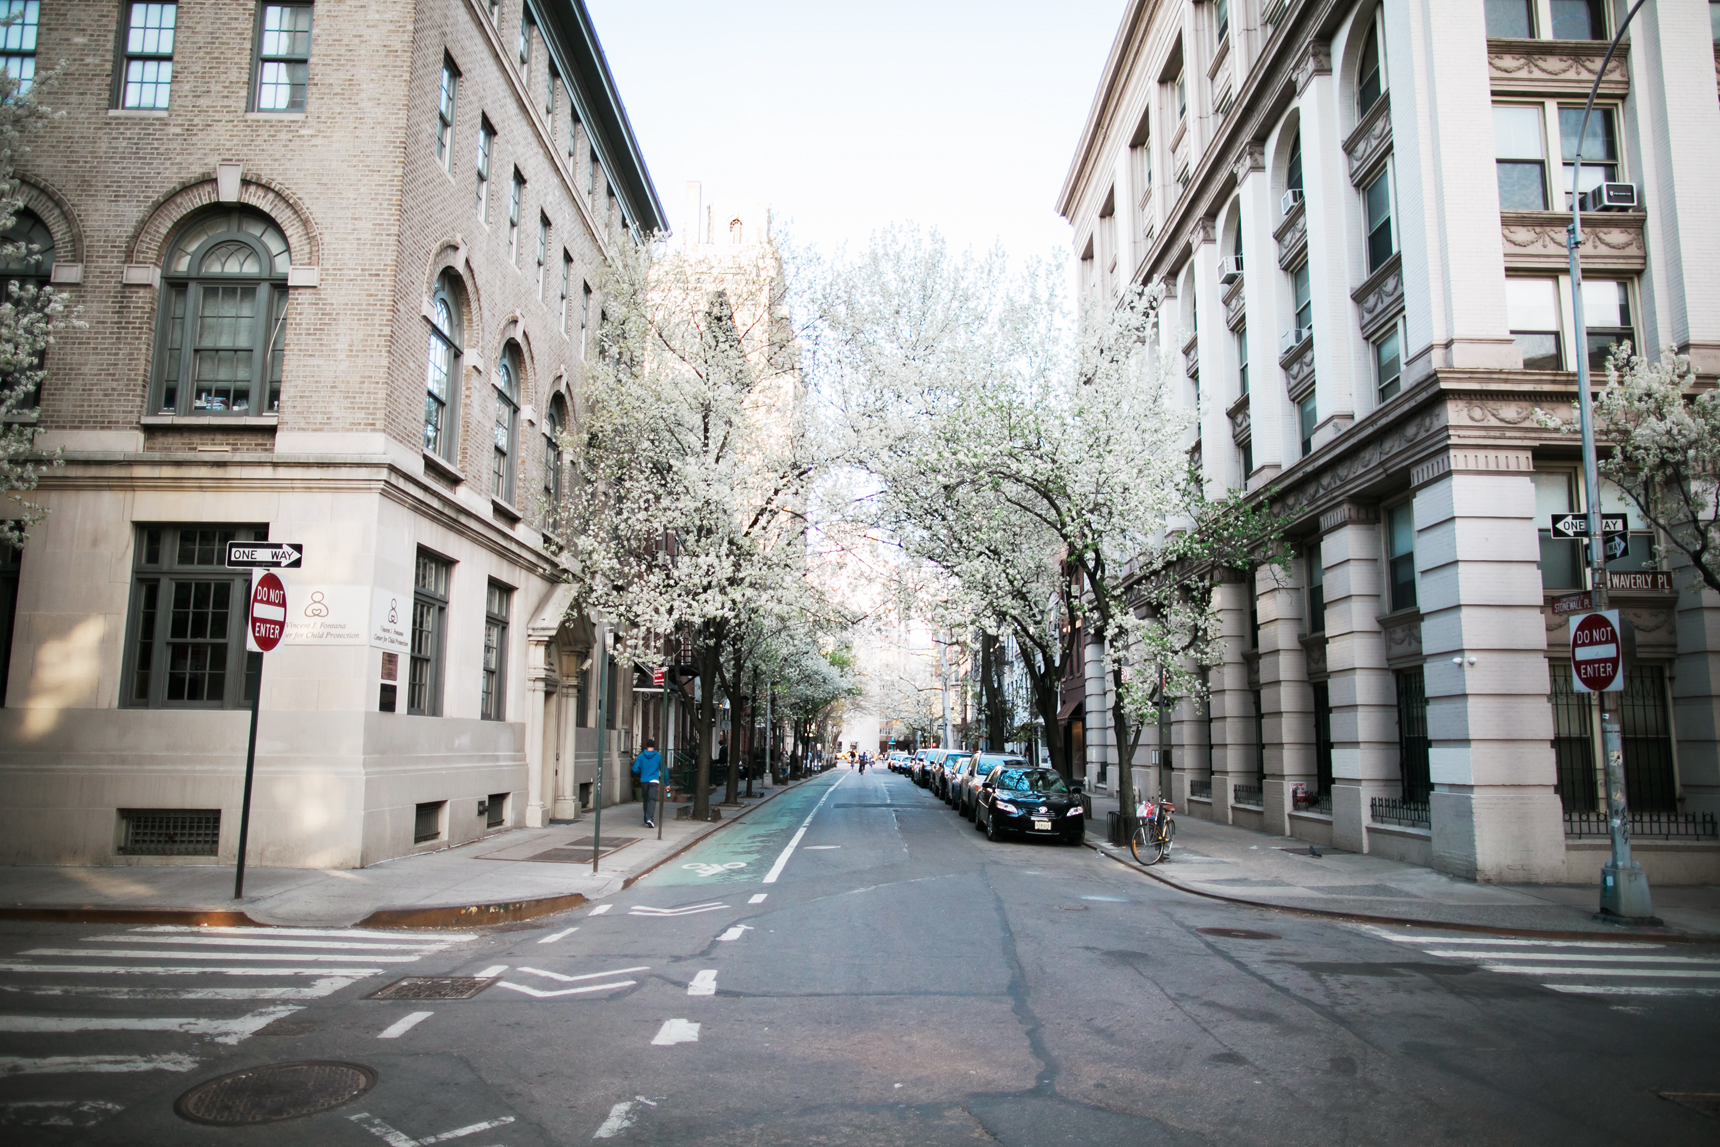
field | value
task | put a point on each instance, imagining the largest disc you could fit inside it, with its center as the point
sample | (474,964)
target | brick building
(340,266)
(1356,212)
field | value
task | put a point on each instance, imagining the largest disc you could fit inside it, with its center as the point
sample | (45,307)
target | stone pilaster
(1364,697)
(1232,701)
(1495,814)
(1696,694)
(1191,756)
(1286,698)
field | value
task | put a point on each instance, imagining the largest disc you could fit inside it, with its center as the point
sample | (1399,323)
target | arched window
(1293,169)
(222,318)
(735,232)
(1370,80)
(507,389)
(554,426)
(442,373)
(26,262)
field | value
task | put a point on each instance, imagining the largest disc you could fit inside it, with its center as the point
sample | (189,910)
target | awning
(1069,707)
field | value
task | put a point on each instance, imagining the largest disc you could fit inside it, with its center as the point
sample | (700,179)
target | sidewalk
(1246,867)
(514,874)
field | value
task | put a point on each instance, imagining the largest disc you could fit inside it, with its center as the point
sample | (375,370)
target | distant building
(1355,213)
(341,266)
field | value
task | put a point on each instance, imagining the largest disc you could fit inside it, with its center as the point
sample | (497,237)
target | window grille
(170,831)
(427,821)
(1412,736)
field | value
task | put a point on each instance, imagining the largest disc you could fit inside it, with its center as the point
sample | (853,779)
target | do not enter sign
(1597,652)
(267,620)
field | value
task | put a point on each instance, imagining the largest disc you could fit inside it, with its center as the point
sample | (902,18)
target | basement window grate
(170,831)
(427,822)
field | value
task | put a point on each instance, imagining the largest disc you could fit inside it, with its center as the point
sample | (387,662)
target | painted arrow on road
(644,910)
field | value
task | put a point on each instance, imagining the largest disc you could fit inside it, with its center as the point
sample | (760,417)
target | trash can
(1114,821)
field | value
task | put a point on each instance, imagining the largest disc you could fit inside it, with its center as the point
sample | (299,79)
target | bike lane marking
(776,869)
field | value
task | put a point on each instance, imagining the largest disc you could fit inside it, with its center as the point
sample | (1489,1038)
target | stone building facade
(340,267)
(1355,212)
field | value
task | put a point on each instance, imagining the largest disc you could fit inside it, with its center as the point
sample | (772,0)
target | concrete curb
(450,916)
(1620,932)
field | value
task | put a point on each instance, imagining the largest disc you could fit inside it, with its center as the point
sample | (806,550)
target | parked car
(947,764)
(921,772)
(950,779)
(983,764)
(1029,801)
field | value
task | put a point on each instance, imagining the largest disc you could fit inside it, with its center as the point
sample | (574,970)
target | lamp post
(1624,885)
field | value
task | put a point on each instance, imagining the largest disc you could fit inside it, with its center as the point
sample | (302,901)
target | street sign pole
(250,770)
(265,623)
(602,654)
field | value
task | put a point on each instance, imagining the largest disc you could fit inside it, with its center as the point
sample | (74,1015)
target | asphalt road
(854,964)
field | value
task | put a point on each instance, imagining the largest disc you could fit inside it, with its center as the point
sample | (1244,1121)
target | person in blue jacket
(648,767)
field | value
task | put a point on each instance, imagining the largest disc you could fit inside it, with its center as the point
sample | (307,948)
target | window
(486,145)
(1316,589)
(1369,83)
(1573,740)
(185,645)
(591,178)
(1511,19)
(1714,19)
(427,821)
(1242,360)
(584,315)
(492,705)
(28,269)
(1221,20)
(572,131)
(1378,199)
(10,565)
(1182,97)
(442,374)
(445,101)
(516,206)
(542,252)
(1606,316)
(1650,779)
(284,58)
(1532,309)
(1308,417)
(1400,549)
(148,64)
(1521,157)
(1302,292)
(222,317)
(1247,449)
(1413,744)
(429,635)
(1322,741)
(735,232)
(1388,365)
(18,41)
(1639,536)
(611,694)
(554,426)
(526,30)
(507,388)
(582,692)
(1600,148)
(1579,20)
(1293,166)
(566,289)
(1561,560)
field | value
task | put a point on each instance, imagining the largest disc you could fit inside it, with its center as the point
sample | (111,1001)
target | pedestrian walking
(648,767)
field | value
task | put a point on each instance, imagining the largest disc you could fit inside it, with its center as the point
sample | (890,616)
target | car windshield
(1031,781)
(986,764)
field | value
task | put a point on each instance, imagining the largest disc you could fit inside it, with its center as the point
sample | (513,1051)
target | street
(853,963)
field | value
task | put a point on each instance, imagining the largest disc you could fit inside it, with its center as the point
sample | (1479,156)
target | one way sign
(1577,525)
(265,555)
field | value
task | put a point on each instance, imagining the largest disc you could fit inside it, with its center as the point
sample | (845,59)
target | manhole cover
(275,1091)
(1237,934)
(433,988)
(1707,1102)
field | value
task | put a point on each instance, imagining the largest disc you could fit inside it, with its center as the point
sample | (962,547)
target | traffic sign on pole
(266,620)
(265,555)
(1597,652)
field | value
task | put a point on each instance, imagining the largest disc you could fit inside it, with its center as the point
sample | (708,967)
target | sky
(846,117)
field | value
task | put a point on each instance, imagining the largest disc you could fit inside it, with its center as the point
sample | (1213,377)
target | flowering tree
(692,464)
(1048,477)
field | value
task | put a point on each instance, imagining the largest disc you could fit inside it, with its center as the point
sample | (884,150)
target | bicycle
(1154,831)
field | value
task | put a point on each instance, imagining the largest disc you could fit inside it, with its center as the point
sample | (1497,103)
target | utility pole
(602,654)
(1624,885)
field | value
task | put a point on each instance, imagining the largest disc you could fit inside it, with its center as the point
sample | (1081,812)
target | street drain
(1238,934)
(274,1092)
(433,988)
(1708,1103)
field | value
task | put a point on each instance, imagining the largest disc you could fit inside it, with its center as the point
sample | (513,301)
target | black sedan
(967,803)
(1033,802)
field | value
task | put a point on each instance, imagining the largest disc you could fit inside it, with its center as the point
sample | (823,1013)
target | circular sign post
(1597,654)
(268,614)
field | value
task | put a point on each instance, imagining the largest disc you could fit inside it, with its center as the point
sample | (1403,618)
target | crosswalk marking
(326,986)
(403,1025)
(675,1031)
(704,984)
(240,942)
(146,954)
(1563,965)
(1572,956)
(224,1031)
(441,939)
(98,1064)
(180,970)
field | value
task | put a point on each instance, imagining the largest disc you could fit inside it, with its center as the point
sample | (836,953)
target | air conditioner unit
(1293,338)
(1288,203)
(1610,197)
(1229,269)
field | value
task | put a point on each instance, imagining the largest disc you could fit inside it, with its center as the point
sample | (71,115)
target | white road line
(600,910)
(1498,942)
(543,995)
(1644,973)
(1572,956)
(492,970)
(242,942)
(735,932)
(337,933)
(821,847)
(620,1119)
(323,987)
(462,1132)
(758,898)
(403,1025)
(776,869)
(691,909)
(587,976)
(180,970)
(96,1064)
(674,1032)
(561,935)
(396,1138)
(56,1112)
(704,984)
(1628,990)
(224,1031)
(144,954)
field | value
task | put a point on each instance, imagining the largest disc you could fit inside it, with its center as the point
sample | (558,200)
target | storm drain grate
(1238,934)
(1707,1102)
(275,1091)
(433,988)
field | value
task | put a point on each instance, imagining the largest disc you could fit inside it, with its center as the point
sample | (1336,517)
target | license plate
(1041,826)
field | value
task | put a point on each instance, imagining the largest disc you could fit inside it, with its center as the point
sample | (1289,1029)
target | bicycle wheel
(1141,843)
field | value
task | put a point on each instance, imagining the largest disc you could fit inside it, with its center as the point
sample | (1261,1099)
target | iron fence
(1249,795)
(1661,825)
(1408,814)
(1201,790)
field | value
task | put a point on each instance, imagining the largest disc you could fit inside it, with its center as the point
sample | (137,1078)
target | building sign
(391,620)
(327,614)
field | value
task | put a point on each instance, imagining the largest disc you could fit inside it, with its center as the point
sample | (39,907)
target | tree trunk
(705,716)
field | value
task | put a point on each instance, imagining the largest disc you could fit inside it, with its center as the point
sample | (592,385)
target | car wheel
(992,832)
